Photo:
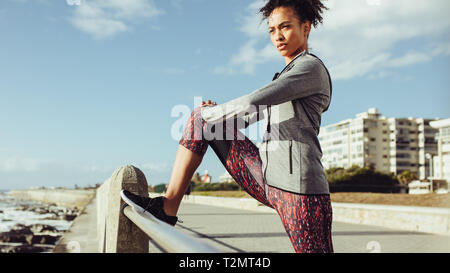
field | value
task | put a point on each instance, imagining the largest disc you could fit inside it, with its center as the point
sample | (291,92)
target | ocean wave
(12,213)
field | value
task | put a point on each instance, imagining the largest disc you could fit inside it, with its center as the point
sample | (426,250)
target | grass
(238,194)
(422,200)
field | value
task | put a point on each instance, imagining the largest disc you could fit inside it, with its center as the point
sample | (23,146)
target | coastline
(35,220)
(68,198)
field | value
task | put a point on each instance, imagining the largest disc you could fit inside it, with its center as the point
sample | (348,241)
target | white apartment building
(411,140)
(226,177)
(390,145)
(441,162)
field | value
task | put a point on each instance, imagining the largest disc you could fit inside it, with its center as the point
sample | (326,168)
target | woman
(285,173)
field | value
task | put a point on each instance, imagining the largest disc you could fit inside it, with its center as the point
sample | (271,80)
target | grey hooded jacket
(293,103)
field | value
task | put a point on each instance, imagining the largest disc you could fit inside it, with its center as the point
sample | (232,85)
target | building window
(399,155)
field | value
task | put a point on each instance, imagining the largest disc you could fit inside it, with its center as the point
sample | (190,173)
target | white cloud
(357,38)
(27,1)
(441,49)
(409,59)
(154,167)
(18,164)
(253,52)
(106,18)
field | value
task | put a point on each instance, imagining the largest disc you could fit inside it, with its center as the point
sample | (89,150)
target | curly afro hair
(307,10)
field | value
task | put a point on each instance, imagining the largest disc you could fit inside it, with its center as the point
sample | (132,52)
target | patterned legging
(306,218)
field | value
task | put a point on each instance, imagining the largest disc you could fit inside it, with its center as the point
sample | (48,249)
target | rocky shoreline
(38,236)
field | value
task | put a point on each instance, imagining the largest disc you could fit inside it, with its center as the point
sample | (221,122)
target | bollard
(122,235)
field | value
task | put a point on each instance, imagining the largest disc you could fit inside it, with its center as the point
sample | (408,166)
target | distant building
(226,178)
(441,162)
(390,145)
(206,178)
(419,187)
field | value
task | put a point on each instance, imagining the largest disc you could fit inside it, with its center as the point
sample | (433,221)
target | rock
(69,217)
(34,234)
(18,234)
(20,228)
(37,237)
(16,237)
(22,208)
(45,239)
(22,249)
(53,217)
(41,228)
(40,210)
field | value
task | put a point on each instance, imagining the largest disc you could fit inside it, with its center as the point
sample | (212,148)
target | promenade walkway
(82,234)
(237,230)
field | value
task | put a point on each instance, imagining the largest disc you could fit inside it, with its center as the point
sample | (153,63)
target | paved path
(234,230)
(82,234)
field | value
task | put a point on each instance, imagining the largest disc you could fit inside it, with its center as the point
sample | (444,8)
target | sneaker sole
(139,209)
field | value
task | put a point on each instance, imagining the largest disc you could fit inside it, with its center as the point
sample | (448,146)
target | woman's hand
(208,103)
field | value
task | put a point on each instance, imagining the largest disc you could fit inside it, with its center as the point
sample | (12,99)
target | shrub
(160,188)
(216,187)
(365,179)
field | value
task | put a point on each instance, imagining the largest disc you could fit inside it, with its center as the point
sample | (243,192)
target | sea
(10,215)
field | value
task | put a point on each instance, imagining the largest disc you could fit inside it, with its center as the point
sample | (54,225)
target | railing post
(122,236)
(102,208)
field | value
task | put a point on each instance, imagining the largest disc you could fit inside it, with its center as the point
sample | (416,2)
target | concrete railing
(130,231)
(418,219)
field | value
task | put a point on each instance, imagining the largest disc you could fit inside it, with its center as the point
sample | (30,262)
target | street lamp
(430,157)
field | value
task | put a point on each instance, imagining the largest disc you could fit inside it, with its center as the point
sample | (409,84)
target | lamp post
(430,157)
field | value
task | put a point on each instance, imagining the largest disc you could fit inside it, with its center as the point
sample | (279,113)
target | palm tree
(406,177)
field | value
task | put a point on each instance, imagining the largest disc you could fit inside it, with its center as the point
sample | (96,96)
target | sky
(91,85)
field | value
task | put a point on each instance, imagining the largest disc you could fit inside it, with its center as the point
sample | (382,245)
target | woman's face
(287,34)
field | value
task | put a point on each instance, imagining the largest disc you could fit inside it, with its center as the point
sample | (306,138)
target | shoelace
(150,202)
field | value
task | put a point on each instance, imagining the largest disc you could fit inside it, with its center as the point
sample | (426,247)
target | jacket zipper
(290,156)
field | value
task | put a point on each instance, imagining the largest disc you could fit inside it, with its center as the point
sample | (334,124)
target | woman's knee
(196,114)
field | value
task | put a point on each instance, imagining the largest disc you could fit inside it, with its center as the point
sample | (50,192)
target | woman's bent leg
(242,161)
(306,218)
(239,155)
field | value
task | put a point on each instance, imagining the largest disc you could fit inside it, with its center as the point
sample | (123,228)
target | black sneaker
(154,206)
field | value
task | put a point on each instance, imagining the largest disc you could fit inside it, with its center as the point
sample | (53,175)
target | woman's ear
(307,28)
